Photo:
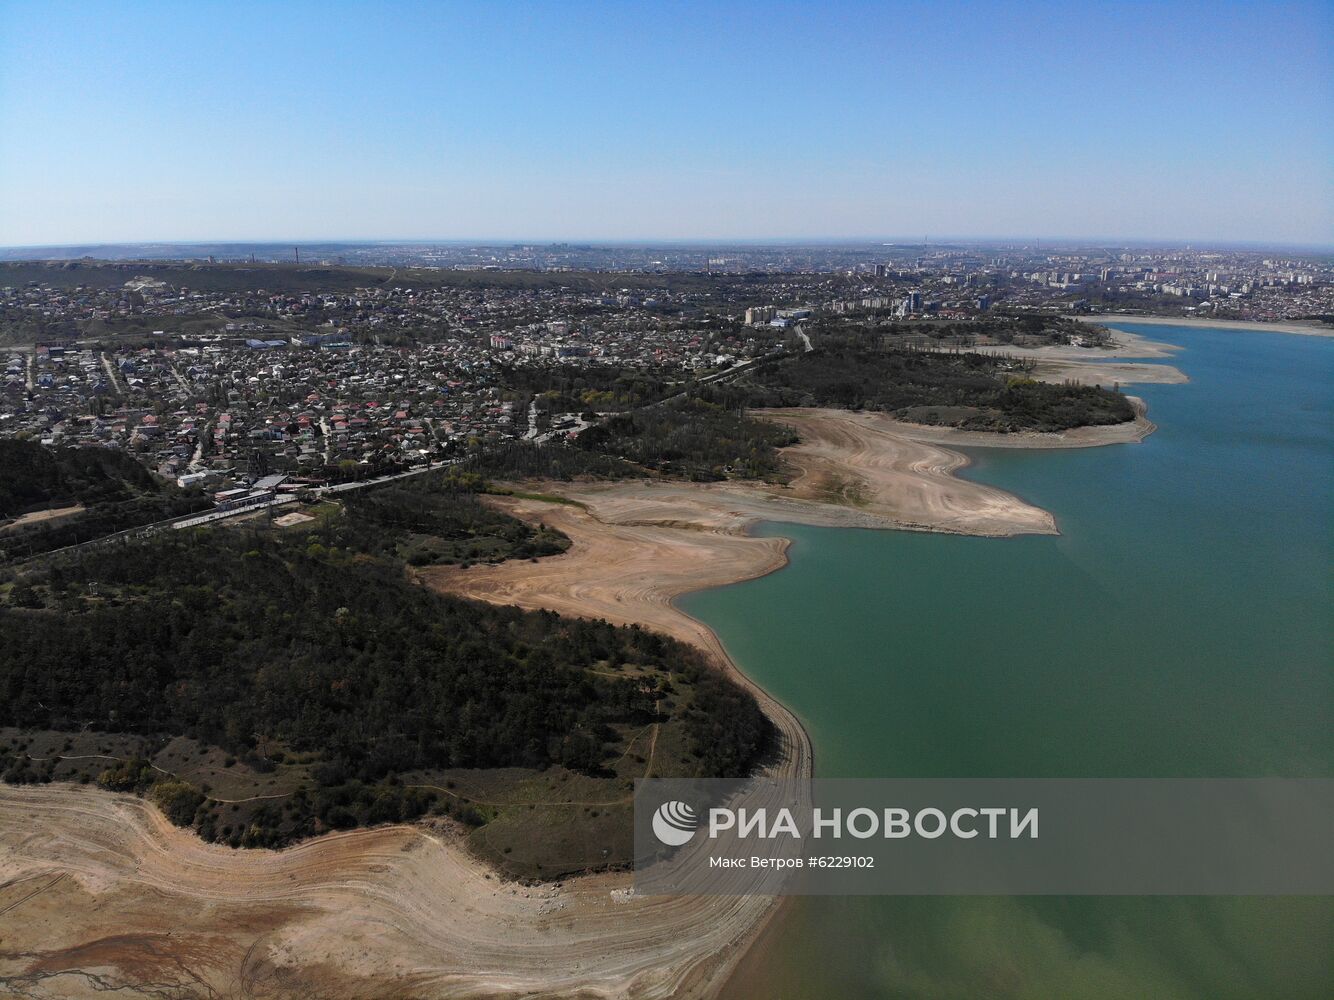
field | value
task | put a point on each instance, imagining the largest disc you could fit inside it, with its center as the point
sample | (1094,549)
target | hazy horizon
(143,122)
(701,242)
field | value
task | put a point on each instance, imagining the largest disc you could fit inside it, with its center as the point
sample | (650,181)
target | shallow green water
(1179,626)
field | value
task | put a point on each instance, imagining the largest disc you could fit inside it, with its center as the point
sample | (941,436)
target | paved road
(327,430)
(185,386)
(345,487)
(220,515)
(202,436)
(111,372)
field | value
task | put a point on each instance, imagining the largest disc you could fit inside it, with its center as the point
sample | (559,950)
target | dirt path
(38,516)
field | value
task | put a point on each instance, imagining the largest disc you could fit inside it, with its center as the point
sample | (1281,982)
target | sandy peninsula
(99,892)
(1123,363)
(1299,327)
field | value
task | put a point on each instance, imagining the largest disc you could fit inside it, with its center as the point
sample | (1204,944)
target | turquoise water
(1179,626)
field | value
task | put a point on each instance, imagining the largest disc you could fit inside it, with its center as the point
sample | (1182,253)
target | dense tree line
(1020,330)
(97,522)
(116,490)
(693,438)
(973,391)
(310,642)
(576,388)
(436,518)
(526,460)
(33,476)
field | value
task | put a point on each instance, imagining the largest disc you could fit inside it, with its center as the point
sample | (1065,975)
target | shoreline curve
(406,907)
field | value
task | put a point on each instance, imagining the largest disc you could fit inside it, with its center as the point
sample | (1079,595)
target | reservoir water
(1179,626)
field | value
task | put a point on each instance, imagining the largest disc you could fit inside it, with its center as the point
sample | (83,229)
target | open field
(38,516)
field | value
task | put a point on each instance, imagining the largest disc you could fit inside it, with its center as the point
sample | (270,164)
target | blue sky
(285,120)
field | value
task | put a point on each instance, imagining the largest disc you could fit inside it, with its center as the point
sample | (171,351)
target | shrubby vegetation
(437,518)
(116,490)
(693,438)
(973,391)
(33,476)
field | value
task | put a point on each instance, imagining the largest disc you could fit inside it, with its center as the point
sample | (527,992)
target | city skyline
(757,123)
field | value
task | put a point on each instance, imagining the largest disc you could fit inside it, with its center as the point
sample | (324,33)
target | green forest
(437,519)
(994,328)
(116,491)
(706,432)
(972,391)
(33,476)
(318,655)
(692,438)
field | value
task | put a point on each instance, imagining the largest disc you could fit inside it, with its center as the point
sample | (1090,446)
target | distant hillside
(33,476)
(114,489)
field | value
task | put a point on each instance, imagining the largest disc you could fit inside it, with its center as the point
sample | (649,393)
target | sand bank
(1124,344)
(98,891)
(1278,326)
(1107,373)
(874,465)
(1100,365)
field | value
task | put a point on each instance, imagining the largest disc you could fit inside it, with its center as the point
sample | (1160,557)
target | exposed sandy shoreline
(1108,373)
(106,887)
(389,912)
(1100,366)
(1280,326)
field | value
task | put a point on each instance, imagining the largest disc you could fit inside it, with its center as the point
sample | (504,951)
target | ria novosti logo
(674,823)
